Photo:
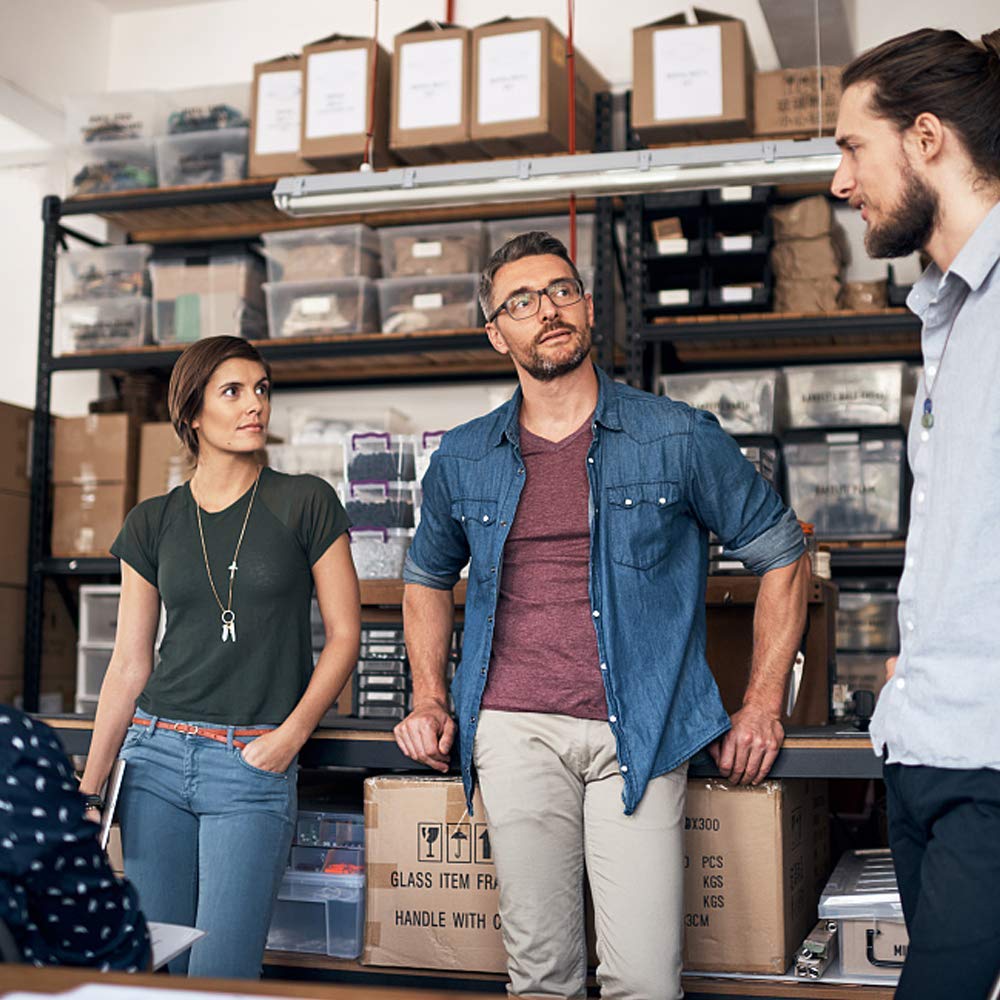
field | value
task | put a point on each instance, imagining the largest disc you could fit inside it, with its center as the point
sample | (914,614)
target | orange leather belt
(219,735)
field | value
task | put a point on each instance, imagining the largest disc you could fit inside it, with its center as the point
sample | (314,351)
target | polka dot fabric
(58,895)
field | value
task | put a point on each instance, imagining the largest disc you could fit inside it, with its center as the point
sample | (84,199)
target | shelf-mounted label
(675,246)
(674,296)
(737,293)
(737,244)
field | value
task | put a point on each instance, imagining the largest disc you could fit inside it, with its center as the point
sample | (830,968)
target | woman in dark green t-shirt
(212,733)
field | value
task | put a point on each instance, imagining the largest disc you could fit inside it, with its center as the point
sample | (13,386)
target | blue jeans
(206,838)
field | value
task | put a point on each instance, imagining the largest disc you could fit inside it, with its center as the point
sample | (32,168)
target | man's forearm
(428,621)
(779,622)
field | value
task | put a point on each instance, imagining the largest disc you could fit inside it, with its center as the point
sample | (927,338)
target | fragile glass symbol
(430,834)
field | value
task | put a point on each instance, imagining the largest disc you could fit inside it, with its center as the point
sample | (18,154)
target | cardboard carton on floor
(275,117)
(787,101)
(431,94)
(756,862)
(692,82)
(520,89)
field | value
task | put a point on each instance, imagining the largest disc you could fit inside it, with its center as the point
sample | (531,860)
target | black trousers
(944,831)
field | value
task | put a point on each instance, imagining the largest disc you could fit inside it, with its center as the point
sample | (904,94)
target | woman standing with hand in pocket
(208,802)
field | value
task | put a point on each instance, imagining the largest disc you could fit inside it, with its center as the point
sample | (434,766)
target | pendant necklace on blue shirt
(228,615)
(927,419)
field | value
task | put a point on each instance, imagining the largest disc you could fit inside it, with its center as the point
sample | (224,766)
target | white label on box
(510,77)
(738,192)
(279,112)
(429,300)
(736,293)
(430,84)
(674,297)
(337,85)
(673,246)
(736,244)
(429,248)
(314,305)
(687,73)
(843,437)
(873,445)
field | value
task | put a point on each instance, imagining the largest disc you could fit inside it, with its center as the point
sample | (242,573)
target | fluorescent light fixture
(589,175)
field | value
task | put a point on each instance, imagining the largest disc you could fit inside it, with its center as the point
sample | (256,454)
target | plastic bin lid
(862,887)
(318,886)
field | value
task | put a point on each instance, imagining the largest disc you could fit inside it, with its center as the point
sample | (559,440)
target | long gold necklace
(228,615)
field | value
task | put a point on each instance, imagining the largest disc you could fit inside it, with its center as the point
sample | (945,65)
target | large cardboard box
(692,82)
(87,519)
(15,446)
(97,448)
(163,461)
(432,891)
(275,118)
(786,101)
(12,611)
(15,512)
(756,861)
(432,94)
(337,102)
(520,89)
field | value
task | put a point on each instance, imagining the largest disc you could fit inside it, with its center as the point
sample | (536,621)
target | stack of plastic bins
(321,903)
(103,299)
(502,230)
(98,627)
(382,678)
(431,276)
(320,281)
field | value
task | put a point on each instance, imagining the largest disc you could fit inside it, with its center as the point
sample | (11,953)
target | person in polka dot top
(58,896)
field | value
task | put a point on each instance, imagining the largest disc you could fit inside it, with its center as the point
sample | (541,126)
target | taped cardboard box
(275,118)
(97,448)
(15,446)
(163,461)
(756,862)
(787,101)
(15,515)
(337,102)
(520,89)
(87,519)
(692,82)
(432,94)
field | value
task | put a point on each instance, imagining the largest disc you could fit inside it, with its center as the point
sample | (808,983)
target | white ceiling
(128,6)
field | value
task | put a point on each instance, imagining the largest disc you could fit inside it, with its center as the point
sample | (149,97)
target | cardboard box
(275,118)
(337,102)
(15,447)
(12,614)
(87,519)
(163,461)
(786,101)
(890,945)
(432,892)
(97,448)
(15,514)
(520,89)
(756,862)
(432,94)
(692,82)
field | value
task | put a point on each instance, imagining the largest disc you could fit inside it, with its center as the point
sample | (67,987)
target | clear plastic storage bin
(879,394)
(382,505)
(848,484)
(325,461)
(373,455)
(502,230)
(408,305)
(321,254)
(867,620)
(320,828)
(105,167)
(745,402)
(379,553)
(426,444)
(99,614)
(103,272)
(321,308)
(98,118)
(102,324)
(319,914)
(213,157)
(329,861)
(449,248)
(203,109)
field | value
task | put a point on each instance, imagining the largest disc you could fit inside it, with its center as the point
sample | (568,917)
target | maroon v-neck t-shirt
(545,655)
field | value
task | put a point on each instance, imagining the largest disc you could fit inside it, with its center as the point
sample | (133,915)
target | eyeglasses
(526,303)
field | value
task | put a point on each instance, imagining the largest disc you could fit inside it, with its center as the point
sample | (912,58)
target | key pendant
(228,625)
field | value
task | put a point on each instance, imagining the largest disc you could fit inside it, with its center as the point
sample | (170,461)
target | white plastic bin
(319,914)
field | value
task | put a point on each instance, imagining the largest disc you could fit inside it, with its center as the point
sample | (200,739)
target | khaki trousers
(552,793)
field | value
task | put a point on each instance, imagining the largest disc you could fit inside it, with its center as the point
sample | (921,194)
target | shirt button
(628,502)
(925,436)
(493,569)
(604,666)
(613,718)
(911,562)
(503,524)
(591,460)
(932,370)
(624,768)
(909,626)
(520,472)
(662,501)
(921,496)
(597,614)
(486,518)
(900,683)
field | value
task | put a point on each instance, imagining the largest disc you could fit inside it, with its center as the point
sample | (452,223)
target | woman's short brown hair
(191,374)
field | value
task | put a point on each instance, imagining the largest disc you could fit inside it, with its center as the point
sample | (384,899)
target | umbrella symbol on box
(429,842)
(459,843)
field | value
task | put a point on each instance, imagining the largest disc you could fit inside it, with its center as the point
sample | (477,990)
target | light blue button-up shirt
(941,707)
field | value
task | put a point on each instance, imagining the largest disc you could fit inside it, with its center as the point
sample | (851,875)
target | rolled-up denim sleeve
(440,549)
(732,499)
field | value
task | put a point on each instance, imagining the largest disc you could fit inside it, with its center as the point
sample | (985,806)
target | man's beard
(910,226)
(544,369)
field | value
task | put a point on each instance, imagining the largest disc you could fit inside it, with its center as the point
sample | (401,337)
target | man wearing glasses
(585,506)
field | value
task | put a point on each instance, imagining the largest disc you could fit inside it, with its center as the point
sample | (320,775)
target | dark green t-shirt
(259,678)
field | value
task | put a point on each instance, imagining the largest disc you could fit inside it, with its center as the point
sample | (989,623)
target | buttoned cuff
(779,546)
(412,573)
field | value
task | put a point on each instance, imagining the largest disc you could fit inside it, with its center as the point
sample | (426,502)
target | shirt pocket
(478,519)
(639,522)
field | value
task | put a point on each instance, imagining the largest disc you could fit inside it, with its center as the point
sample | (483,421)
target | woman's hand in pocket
(271,752)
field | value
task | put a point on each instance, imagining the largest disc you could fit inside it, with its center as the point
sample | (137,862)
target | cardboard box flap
(673,21)
(337,37)
(277,61)
(430,25)
(702,16)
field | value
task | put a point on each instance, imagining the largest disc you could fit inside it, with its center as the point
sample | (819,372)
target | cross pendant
(232,567)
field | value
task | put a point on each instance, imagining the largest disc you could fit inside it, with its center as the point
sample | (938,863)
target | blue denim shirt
(662,475)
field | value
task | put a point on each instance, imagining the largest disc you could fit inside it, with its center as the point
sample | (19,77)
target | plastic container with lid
(382,504)
(336,307)
(325,461)
(322,828)
(329,860)
(103,272)
(745,402)
(863,885)
(874,394)
(448,302)
(322,253)
(375,455)
(379,553)
(320,914)
(211,157)
(426,444)
(105,167)
(114,116)
(867,620)
(502,230)
(102,324)
(205,109)
(449,248)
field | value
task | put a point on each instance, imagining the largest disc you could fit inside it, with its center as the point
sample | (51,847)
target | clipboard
(112,789)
